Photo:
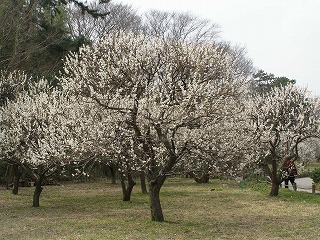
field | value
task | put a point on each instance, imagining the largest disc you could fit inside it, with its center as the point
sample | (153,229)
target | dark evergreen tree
(35,37)
(263,82)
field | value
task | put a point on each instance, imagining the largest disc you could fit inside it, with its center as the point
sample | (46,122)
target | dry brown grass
(192,211)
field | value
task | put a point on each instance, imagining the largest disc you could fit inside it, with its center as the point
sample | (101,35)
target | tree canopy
(35,38)
(168,94)
(282,119)
(263,82)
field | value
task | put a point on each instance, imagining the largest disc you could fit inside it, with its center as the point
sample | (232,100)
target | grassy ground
(192,211)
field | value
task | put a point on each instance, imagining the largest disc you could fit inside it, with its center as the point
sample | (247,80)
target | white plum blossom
(282,119)
(168,94)
(42,128)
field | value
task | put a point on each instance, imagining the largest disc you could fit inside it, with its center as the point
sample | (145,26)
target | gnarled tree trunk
(274,179)
(113,173)
(204,178)
(143,182)
(274,189)
(127,190)
(154,193)
(37,192)
(16,178)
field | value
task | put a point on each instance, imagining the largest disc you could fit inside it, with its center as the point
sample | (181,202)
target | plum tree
(43,128)
(282,119)
(167,94)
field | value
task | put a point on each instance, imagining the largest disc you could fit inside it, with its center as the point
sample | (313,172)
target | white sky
(281,36)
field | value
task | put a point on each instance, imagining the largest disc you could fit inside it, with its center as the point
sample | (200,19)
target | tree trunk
(113,174)
(37,192)
(143,182)
(126,191)
(190,174)
(275,179)
(154,193)
(16,178)
(8,176)
(204,178)
(274,188)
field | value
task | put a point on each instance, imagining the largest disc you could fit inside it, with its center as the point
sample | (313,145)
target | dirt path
(303,184)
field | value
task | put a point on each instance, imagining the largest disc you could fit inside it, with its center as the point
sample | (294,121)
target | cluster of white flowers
(43,126)
(282,119)
(149,103)
(172,96)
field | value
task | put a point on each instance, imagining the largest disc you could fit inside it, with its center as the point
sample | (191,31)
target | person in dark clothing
(289,173)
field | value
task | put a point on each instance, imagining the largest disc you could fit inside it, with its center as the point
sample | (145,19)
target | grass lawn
(192,211)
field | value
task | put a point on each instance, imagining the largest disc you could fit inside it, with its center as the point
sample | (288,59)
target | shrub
(315,175)
(306,174)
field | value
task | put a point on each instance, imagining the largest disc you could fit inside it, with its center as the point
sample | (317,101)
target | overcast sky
(281,36)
